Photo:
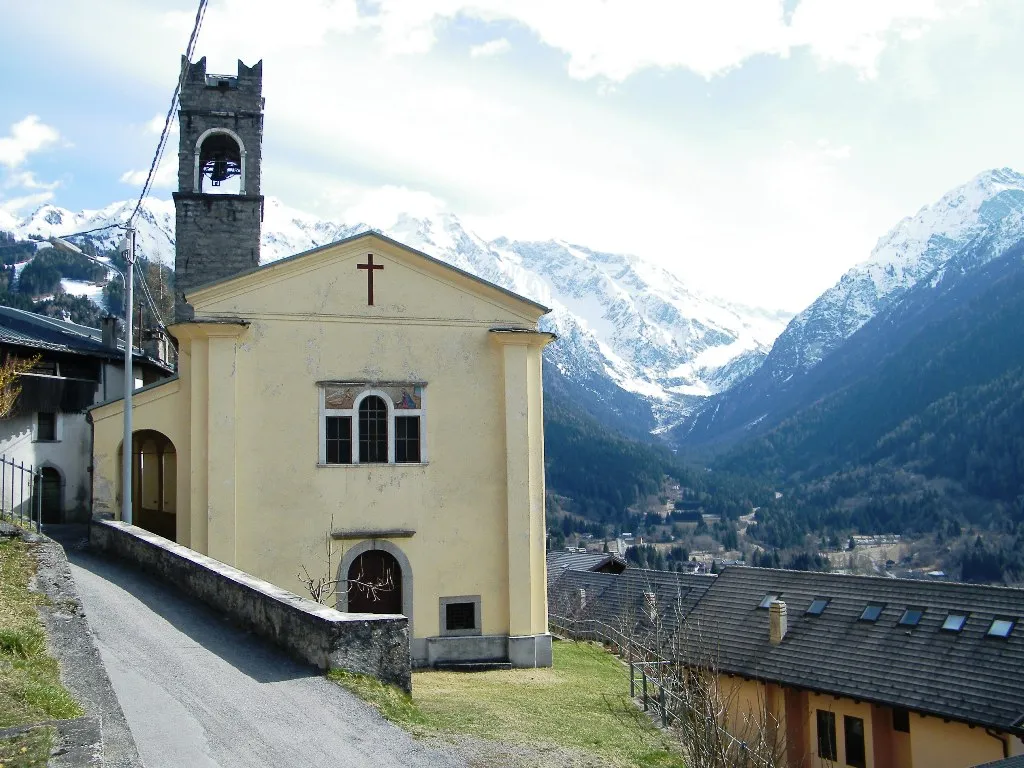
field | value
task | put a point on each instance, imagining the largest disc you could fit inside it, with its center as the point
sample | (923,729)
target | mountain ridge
(635,338)
(988,209)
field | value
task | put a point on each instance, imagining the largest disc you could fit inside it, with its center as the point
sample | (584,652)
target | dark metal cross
(369,267)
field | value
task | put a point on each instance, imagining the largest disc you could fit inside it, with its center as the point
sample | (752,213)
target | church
(361,412)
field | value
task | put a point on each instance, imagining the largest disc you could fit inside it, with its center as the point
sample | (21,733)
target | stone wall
(369,644)
(218,236)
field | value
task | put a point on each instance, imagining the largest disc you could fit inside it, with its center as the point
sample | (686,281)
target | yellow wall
(931,743)
(950,745)
(245,423)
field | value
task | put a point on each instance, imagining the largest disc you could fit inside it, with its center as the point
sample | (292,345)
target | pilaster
(524,469)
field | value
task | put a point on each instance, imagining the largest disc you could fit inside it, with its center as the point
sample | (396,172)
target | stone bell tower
(218,205)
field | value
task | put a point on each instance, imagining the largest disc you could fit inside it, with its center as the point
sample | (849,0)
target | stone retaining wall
(365,643)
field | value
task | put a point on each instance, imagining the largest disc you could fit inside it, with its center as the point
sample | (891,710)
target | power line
(189,50)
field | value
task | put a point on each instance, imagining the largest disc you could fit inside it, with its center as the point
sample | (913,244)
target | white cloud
(166,173)
(16,204)
(27,136)
(380,207)
(490,48)
(28,180)
(617,38)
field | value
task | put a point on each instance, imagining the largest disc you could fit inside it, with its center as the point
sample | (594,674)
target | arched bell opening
(220,163)
(154,483)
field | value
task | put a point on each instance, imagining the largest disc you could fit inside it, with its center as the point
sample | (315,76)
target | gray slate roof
(1010,762)
(26,329)
(583,561)
(618,599)
(963,675)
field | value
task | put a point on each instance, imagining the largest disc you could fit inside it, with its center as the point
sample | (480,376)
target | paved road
(200,693)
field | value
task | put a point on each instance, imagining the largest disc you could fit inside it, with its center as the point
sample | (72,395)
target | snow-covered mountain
(968,227)
(629,330)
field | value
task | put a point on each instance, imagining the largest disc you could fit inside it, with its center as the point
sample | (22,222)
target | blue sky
(758,148)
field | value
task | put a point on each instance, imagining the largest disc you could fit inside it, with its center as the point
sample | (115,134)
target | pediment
(334,280)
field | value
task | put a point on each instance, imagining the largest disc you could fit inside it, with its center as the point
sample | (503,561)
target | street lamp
(127,249)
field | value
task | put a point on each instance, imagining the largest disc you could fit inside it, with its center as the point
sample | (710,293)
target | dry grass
(29,750)
(581,704)
(30,688)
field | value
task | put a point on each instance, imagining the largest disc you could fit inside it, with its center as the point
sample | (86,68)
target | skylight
(1000,628)
(768,600)
(911,617)
(954,622)
(817,606)
(872,612)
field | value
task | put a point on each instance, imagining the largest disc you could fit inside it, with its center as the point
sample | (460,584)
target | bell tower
(218,205)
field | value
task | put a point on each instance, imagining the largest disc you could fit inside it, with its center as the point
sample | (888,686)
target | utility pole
(127,449)
(127,250)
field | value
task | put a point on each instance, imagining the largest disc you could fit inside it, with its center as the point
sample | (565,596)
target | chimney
(155,344)
(108,331)
(777,623)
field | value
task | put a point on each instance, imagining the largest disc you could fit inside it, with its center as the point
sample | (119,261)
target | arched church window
(373,431)
(378,424)
(220,164)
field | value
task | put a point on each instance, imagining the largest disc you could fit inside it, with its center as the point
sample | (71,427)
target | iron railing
(21,493)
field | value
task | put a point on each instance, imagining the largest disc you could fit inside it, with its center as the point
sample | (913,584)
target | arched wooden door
(375,583)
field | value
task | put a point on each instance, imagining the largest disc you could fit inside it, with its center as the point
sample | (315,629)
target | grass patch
(393,703)
(582,702)
(29,750)
(30,688)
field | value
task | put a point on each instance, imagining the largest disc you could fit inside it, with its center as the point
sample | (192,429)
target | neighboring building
(603,562)
(361,394)
(857,671)
(78,367)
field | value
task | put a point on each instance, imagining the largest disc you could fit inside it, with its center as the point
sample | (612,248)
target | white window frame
(353,414)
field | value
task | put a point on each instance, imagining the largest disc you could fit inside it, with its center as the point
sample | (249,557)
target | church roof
(390,241)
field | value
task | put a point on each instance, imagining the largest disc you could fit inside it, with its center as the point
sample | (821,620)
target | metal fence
(646,672)
(21,493)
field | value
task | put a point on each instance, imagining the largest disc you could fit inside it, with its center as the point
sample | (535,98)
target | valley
(708,431)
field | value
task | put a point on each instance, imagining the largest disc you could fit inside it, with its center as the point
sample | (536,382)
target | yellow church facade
(367,414)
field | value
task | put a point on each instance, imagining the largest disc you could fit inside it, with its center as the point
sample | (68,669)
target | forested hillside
(922,433)
(598,476)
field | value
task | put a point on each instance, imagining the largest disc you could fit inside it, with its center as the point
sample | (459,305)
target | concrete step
(472,666)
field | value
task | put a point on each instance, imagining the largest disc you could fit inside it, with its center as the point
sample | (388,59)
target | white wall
(69,454)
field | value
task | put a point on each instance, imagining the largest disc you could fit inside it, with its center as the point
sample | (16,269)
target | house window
(1000,628)
(911,617)
(901,720)
(339,439)
(407,439)
(460,615)
(853,730)
(46,426)
(360,424)
(827,735)
(954,622)
(817,606)
(767,600)
(373,431)
(872,612)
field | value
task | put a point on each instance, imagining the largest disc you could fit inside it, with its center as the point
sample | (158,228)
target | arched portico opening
(372,562)
(154,483)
